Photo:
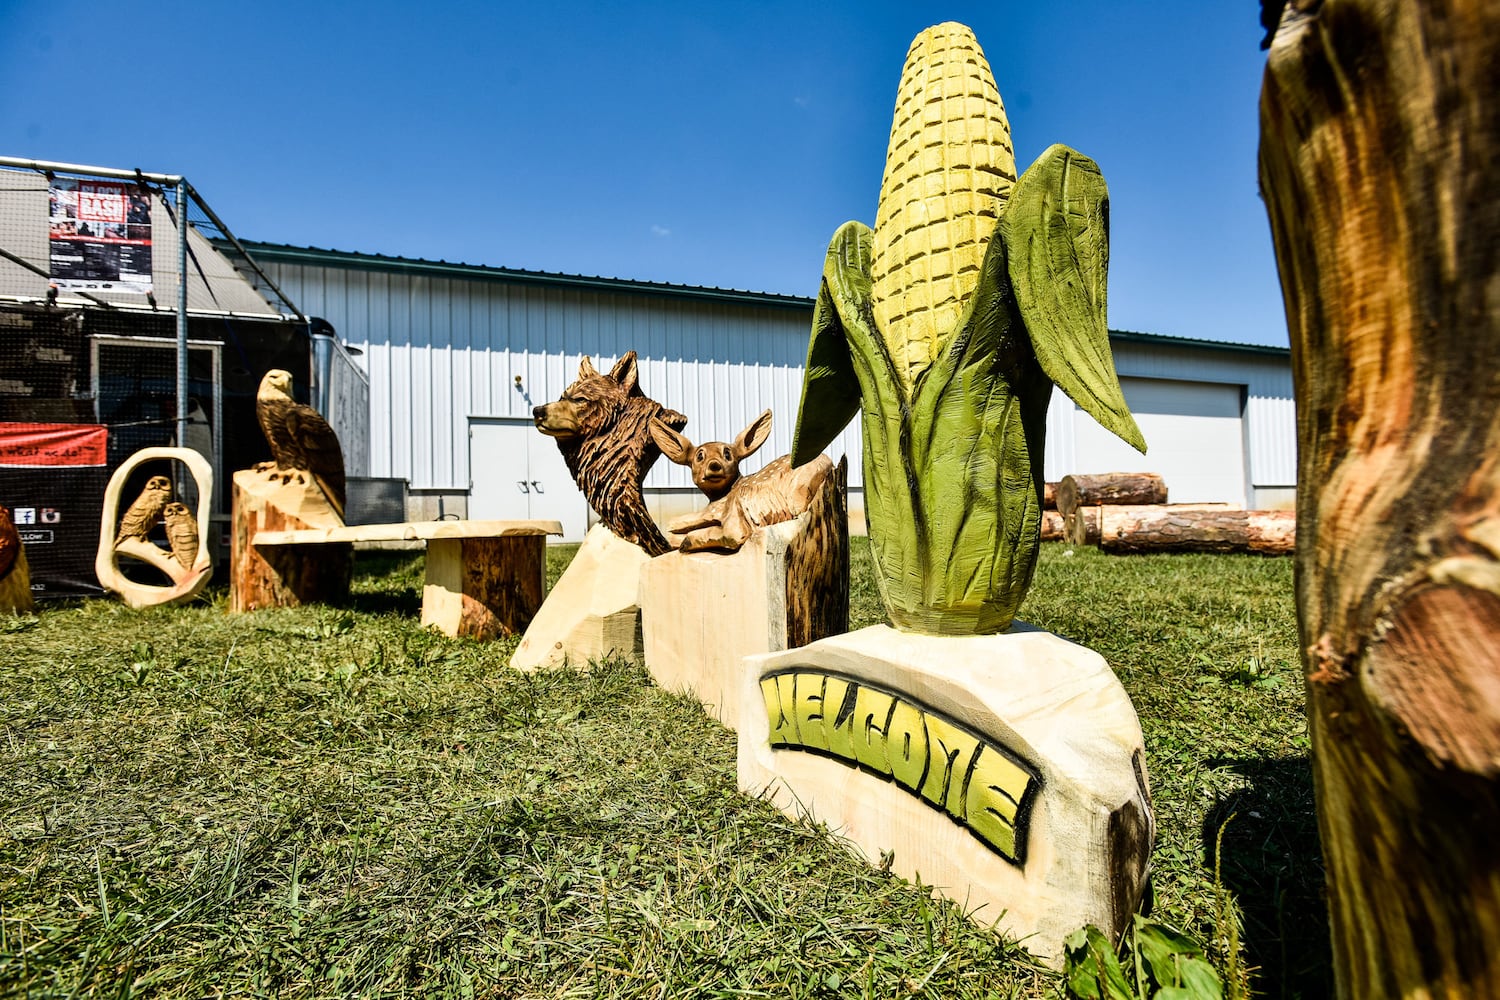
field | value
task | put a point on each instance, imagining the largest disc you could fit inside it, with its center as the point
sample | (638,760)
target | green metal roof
(316,256)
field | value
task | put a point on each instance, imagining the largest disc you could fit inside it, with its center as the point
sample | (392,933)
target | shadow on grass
(1273,864)
(406,601)
(388,582)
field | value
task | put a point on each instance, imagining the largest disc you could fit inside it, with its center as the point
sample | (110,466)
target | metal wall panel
(439,350)
(1270,414)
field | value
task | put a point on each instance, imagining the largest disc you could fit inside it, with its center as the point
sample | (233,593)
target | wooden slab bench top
(484,579)
(408,531)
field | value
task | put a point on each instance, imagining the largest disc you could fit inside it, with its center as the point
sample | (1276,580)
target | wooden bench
(484,578)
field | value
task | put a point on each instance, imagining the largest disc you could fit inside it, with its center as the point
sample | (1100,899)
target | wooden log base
(274,576)
(592,611)
(15,586)
(1008,773)
(484,588)
(1193,528)
(702,613)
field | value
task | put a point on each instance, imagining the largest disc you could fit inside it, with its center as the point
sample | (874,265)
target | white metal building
(457,356)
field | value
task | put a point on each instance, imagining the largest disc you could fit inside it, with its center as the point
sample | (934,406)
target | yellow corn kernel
(948,170)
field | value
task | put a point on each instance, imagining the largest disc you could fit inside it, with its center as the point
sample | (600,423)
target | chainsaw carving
(146,512)
(187,567)
(303,445)
(602,427)
(946,327)
(182,533)
(775,494)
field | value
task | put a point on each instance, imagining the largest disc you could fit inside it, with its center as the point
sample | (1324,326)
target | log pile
(1196,528)
(1127,512)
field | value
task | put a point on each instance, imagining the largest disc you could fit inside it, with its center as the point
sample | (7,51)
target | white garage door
(517,474)
(1194,439)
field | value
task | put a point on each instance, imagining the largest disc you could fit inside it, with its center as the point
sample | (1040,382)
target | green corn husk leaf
(953,471)
(1056,232)
(952,489)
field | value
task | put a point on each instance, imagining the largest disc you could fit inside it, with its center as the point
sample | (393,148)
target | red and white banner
(39,445)
(100,235)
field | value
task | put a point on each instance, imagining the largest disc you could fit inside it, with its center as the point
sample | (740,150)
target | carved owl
(143,514)
(10,542)
(301,440)
(182,533)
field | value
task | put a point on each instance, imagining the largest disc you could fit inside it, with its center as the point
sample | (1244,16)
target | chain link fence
(95,347)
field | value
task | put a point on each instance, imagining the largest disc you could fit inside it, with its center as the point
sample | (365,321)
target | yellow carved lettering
(809,710)
(950,749)
(906,745)
(838,717)
(871,711)
(777,693)
(996,787)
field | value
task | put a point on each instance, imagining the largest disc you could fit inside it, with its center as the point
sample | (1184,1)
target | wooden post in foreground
(1380,163)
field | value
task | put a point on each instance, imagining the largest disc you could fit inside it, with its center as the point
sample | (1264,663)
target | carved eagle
(302,442)
(143,514)
(10,542)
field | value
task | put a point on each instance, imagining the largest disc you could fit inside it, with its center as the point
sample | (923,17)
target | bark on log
(817,566)
(484,588)
(1052,526)
(1081,526)
(1074,492)
(1049,496)
(1379,162)
(284,575)
(1196,528)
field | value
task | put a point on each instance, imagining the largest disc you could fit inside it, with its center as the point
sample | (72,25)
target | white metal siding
(439,350)
(1270,414)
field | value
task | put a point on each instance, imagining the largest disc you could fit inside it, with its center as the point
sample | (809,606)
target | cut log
(1074,492)
(1196,528)
(284,575)
(1052,526)
(1049,496)
(484,588)
(1379,163)
(1081,526)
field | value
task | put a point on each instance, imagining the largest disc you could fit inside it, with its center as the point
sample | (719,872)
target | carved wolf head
(590,405)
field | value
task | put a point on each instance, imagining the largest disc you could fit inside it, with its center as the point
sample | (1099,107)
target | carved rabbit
(739,505)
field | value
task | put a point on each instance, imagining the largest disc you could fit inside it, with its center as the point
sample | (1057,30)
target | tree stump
(1379,161)
(284,575)
(1196,528)
(1074,492)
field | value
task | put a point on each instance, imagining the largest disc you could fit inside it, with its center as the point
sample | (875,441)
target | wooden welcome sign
(1004,771)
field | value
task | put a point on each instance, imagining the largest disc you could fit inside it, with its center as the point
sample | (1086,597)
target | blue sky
(715,144)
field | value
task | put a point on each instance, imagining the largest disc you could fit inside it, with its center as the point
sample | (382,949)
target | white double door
(516,473)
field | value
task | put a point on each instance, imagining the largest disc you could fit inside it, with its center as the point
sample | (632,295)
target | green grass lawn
(329,803)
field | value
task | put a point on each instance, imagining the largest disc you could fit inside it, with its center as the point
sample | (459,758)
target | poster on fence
(100,235)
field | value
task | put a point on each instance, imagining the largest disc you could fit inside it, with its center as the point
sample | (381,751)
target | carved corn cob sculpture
(947,325)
